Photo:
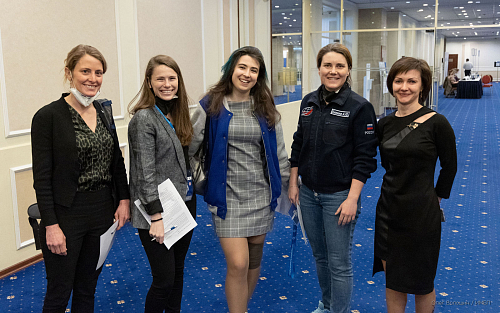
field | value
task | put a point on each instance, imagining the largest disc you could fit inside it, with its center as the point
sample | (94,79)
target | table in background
(470,89)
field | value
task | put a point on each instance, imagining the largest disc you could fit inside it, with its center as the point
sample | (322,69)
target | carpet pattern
(468,272)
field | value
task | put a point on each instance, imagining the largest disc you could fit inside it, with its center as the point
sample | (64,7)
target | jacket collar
(171,133)
(340,100)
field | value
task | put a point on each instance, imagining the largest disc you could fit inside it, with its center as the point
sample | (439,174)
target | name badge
(190,190)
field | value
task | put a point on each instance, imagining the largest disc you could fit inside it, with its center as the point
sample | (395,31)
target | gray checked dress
(248,192)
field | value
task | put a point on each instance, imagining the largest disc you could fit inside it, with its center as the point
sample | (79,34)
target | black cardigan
(55,161)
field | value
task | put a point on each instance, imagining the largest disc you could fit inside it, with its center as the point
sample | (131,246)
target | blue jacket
(216,159)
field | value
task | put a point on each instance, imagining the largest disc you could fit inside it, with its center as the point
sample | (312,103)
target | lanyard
(166,119)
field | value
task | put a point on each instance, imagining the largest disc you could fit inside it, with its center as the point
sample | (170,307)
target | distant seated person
(451,83)
(453,77)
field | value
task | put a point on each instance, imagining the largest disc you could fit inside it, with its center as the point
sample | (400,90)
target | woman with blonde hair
(159,133)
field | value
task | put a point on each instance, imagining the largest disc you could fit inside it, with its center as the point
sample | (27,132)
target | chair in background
(486,82)
(491,78)
(33,217)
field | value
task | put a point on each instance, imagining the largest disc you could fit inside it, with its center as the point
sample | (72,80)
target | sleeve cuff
(360,177)
(154,207)
(49,217)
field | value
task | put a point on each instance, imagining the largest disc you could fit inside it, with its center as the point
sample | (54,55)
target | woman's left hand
(347,211)
(122,213)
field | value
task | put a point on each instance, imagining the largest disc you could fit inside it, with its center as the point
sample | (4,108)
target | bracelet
(293,186)
(152,221)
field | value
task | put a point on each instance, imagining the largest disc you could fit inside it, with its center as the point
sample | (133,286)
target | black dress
(408,218)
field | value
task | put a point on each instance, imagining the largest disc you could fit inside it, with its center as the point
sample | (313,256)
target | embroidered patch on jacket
(369,129)
(340,113)
(306,111)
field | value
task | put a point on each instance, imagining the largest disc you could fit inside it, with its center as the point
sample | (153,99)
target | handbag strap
(397,138)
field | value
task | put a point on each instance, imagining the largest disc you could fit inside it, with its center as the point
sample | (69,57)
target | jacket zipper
(316,143)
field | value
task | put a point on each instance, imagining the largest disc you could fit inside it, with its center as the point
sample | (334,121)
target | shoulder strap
(105,106)
(397,138)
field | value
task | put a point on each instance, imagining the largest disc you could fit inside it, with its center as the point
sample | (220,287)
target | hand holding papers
(177,221)
(106,242)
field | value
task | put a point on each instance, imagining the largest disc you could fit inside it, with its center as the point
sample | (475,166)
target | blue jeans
(331,245)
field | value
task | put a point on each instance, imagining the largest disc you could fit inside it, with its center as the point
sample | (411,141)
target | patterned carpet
(468,272)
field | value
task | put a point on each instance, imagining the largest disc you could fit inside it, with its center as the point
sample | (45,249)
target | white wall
(489,52)
(32,51)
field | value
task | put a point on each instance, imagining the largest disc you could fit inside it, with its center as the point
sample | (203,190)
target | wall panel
(35,38)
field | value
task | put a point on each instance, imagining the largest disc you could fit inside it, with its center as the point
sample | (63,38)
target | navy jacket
(335,143)
(216,159)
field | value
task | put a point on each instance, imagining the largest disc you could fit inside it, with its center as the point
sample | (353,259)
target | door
(452,62)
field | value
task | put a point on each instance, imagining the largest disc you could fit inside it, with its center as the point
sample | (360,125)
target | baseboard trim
(21,265)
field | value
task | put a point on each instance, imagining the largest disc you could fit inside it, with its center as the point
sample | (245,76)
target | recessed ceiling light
(475,33)
(281,23)
(470,2)
(478,17)
(455,8)
(407,1)
(420,10)
(282,13)
(479,10)
(465,38)
(425,4)
(464,11)
(290,13)
(392,8)
(459,14)
(458,32)
(295,20)
(478,1)
(447,23)
(405,15)
(461,8)
(276,6)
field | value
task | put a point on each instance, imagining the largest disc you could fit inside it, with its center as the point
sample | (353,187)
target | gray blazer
(155,155)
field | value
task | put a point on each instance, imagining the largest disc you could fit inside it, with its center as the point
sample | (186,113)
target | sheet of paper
(107,240)
(175,213)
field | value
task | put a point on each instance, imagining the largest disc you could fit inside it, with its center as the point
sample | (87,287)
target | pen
(171,228)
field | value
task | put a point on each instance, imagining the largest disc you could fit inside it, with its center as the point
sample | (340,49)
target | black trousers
(467,72)
(88,218)
(167,268)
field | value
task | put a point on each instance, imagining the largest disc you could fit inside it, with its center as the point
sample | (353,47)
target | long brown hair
(180,110)
(263,98)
